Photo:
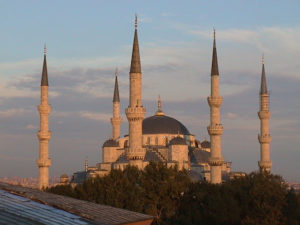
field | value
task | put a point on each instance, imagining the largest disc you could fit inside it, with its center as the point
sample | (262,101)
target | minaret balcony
(135,113)
(116,121)
(44,109)
(264,114)
(215,101)
(43,162)
(216,129)
(265,138)
(265,165)
(215,161)
(42,135)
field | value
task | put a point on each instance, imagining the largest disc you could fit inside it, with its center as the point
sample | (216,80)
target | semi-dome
(178,141)
(64,176)
(161,124)
(205,144)
(110,143)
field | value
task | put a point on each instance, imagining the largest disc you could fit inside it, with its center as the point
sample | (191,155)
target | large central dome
(161,124)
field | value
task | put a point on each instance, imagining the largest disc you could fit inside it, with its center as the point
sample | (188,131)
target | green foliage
(292,209)
(162,189)
(258,198)
(171,197)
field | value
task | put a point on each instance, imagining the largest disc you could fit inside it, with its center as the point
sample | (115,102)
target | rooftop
(20,205)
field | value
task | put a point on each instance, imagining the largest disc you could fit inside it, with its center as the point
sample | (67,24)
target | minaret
(44,134)
(116,120)
(264,114)
(215,129)
(135,111)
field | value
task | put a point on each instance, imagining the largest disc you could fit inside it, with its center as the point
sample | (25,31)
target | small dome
(177,141)
(110,143)
(64,176)
(160,124)
(205,144)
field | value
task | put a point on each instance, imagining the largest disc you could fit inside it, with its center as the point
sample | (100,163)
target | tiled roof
(199,156)
(110,143)
(178,141)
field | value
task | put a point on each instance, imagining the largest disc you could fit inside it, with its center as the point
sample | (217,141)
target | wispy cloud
(95,116)
(13,112)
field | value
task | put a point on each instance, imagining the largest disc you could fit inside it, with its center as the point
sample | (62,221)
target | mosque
(158,138)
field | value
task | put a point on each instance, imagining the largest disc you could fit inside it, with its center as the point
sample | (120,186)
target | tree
(162,189)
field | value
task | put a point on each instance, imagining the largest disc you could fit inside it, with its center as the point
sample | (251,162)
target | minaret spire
(116,90)
(214,65)
(263,83)
(44,134)
(135,112)
(44,81)
(135,58)
(215,129)
(116,120)
(264,114)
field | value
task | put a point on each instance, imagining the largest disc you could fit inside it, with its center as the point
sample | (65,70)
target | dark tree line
(170,196)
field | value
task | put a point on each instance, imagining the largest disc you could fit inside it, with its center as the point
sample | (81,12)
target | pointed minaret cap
(135,58)
(116,90)
(263,83)
(44,81)
(214,65)
(159,111)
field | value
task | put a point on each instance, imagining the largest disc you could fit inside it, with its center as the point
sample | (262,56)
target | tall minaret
(44,134)
(264,115)
(135,111)
(215,129)
(116,120)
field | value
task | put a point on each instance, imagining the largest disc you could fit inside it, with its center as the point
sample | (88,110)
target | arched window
(156,141)
(148,141)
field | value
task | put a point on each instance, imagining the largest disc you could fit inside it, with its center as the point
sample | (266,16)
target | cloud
(81,93)
(231,115)
(95,116)
(13,112)
(31,127)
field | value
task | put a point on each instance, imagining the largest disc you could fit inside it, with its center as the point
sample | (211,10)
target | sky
(87,40)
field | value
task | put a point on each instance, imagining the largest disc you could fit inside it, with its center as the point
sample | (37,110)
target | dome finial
(263,59)
(159,103)
(159,112)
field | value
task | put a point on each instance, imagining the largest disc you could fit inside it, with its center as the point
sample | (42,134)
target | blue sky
(86,40)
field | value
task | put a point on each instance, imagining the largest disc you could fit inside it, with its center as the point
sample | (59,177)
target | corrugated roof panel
(15,209)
